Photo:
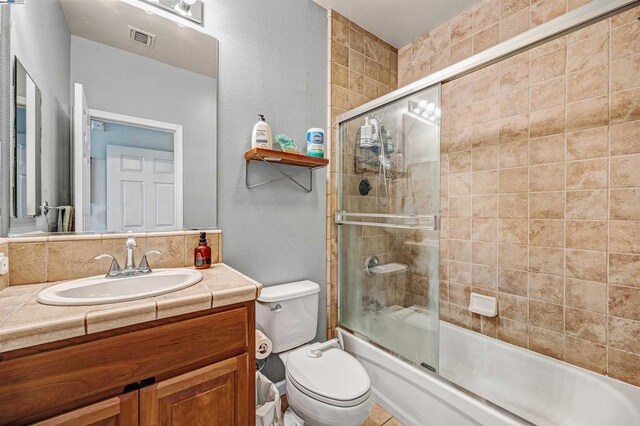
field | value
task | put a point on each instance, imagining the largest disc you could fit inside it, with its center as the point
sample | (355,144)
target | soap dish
(483,305)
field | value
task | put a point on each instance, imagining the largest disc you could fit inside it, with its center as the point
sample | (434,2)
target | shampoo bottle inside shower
(366,132)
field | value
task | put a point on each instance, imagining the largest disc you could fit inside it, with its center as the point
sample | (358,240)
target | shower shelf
(274,158)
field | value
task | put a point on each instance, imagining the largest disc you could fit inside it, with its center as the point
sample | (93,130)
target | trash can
(268,407)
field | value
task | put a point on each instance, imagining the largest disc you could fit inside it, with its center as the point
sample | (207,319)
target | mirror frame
(33,161)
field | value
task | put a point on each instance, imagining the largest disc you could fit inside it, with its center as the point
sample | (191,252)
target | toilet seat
(328,401)
(335,378)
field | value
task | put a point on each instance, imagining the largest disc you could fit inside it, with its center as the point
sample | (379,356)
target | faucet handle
(144,263)
(114,269)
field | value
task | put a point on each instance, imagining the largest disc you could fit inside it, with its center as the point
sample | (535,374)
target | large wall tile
(624,302)
(586,354)
(624,366)
(587,204)
(587,235)
(587,174)
(586,325)
(73,259)
(28,262)
(624,269)
(589,143)
(546,288)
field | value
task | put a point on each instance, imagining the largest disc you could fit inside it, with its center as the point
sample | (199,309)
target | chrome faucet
(130,245)
(130,268)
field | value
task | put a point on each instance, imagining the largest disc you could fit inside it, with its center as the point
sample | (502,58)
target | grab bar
(430,225)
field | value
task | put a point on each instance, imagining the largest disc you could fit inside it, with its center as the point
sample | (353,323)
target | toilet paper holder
(263,345)
(263,349)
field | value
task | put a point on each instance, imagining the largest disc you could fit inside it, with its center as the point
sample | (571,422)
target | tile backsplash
(63,257)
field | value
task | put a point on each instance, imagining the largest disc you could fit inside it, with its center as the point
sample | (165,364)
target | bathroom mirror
(128,96)
(25,156)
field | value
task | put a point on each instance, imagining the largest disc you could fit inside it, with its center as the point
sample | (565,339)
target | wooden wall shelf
(289,158)
(274,158)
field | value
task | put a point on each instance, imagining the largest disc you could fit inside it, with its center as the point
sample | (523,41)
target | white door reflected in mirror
(140,189)
(129,171)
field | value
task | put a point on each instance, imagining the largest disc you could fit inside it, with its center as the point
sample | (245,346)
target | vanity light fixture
(192,10)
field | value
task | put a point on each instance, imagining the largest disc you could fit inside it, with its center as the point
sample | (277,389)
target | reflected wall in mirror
(25,157)
(129,96)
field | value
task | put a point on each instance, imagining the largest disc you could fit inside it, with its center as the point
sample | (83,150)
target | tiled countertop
(24,322)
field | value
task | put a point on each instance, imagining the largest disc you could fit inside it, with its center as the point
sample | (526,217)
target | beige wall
(539,182)
(540,185)
(63,257)
(362,67)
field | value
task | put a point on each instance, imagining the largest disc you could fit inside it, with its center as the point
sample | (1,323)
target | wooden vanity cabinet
(121,410)
(213,395)
(193,369)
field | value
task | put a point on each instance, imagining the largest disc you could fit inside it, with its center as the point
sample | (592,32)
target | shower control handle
(371,262)
(276,308)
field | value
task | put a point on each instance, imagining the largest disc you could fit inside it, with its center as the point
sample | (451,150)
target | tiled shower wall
(362,67)
(484,25)
(540,182)
(541,192)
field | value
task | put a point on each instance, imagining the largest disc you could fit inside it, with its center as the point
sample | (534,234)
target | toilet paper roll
(263,345)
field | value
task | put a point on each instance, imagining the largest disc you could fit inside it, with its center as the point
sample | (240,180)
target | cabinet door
(121,410)
(213,395)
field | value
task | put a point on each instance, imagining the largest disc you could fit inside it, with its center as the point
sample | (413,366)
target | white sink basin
(99,290)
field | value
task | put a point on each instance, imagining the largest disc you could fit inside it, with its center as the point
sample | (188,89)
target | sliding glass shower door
(388,233)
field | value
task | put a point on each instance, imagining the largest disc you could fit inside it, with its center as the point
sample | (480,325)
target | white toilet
(325,385)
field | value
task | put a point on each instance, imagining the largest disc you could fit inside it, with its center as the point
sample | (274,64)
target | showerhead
(386,162)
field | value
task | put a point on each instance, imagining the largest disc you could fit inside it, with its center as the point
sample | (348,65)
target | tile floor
(379,416)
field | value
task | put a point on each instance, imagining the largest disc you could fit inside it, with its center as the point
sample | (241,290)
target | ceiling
(398,21)
(108,22)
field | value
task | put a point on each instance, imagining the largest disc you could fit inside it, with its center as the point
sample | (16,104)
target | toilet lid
(335,376)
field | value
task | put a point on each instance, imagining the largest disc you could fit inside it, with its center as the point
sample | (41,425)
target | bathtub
(530,388)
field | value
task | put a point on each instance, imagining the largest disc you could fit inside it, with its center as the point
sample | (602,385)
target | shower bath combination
(530,363)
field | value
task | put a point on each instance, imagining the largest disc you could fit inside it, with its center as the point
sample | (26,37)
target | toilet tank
(288,314)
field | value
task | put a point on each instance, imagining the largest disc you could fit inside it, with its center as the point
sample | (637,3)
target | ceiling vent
(141,37)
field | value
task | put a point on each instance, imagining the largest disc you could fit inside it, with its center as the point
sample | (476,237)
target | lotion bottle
(261,136)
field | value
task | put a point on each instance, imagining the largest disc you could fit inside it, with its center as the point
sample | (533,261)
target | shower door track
(571,21)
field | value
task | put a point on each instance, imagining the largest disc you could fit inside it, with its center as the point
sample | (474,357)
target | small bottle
(366,134)
(261,136)
(202,253)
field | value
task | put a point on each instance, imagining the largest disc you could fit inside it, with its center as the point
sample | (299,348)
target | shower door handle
(419,222)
